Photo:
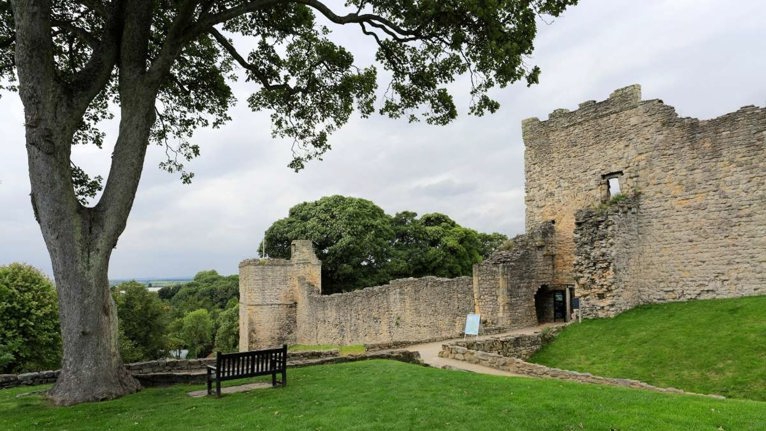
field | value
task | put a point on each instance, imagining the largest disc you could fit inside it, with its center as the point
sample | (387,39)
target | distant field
(154,282)
(712,346)
(388,395)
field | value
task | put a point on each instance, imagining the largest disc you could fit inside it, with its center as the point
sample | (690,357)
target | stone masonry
(281,300)
(626,203)
(695,223)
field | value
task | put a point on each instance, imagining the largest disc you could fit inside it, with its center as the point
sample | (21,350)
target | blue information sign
(472,324)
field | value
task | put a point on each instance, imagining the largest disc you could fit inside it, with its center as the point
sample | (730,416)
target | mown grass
(354,349)
(388,395)
(711,346)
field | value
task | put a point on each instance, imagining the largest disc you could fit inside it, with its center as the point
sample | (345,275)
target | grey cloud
(704,58)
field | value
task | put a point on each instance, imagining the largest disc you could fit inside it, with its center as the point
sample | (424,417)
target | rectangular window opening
(613,184)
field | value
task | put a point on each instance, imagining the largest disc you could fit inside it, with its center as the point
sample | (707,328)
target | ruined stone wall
(700,228)
(605,248)
(266,304)
(406,310)
(268,296)
(506,283)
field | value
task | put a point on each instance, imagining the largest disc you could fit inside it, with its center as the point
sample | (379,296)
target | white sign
(472,324)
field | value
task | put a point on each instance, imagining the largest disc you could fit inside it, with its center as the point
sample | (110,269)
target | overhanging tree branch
(208,21)
(254,70)
(392,29)
(174,41)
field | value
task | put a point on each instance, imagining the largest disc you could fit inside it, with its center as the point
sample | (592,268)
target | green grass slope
(387,395)
(712,346)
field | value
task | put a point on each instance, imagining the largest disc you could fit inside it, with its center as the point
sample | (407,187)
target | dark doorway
(553,302)
(559,306)
(544,304)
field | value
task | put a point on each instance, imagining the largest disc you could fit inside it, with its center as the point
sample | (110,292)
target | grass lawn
(353,349)
(712,346)
(389,395)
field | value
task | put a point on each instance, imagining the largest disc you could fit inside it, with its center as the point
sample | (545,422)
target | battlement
(700,183)
(622,99)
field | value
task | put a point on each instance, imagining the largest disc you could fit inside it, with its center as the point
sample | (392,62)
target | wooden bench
(230,366)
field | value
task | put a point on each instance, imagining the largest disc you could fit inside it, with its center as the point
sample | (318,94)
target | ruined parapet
(505,284)
(268,296)
(605,237)
(307,267)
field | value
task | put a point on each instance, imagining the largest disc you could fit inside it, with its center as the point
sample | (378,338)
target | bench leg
(284,377)
(273,379)
(209,383)
(218,387)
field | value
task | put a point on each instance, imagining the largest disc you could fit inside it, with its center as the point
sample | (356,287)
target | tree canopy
(167,67)
(143,322)
(361,246)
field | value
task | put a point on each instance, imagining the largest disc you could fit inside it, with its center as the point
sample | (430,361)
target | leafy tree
(166,293)
(197,332)
(29,322)
(227,334)
(491,242)
(167,65)
(351,237)
(207,290)
(360,246)
(435,245)
(143,322)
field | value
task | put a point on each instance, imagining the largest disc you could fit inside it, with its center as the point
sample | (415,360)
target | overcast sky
(705,58)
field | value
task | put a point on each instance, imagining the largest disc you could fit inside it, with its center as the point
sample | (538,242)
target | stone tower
(268,290)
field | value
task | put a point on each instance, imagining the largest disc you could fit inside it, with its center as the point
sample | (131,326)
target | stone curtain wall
(605,250)
(700,229)
(407,310)
(281,302)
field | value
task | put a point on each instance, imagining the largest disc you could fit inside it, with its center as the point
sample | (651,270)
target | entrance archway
(553,303)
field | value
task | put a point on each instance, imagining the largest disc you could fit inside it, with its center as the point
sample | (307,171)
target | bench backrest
(253,363)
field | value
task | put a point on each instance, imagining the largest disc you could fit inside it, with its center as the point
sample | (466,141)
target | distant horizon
(146,280)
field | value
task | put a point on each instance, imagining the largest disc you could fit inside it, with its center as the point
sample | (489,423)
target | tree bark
(92,368)
(80,239)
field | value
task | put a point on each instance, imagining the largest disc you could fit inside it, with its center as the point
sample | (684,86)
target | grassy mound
(386,395)
(712,346)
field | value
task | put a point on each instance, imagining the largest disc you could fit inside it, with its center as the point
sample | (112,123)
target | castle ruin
(689,218)
(626,204)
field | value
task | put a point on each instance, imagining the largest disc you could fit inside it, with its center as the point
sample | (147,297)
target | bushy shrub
(30,337)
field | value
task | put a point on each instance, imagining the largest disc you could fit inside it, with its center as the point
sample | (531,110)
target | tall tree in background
(351,237)
(168,64)
(143,322)
(361,246)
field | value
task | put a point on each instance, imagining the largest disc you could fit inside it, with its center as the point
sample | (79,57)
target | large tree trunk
(80,239)
(92,367)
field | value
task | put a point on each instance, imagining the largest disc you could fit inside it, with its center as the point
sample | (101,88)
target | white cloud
(703,57)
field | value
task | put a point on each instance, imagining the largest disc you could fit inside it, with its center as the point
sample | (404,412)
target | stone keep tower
(268,291)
